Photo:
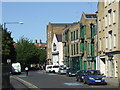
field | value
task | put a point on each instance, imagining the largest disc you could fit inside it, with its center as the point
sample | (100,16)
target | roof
(59,37)
(60,24)
(91,16)
(40,44)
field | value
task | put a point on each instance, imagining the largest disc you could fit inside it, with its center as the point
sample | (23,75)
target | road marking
(29,85)
(73,84)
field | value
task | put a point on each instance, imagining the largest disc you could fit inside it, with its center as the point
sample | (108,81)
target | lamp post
(4,25)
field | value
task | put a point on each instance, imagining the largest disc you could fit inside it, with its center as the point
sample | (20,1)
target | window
(100,45)
(106,42)
(114,42)
(76,48)
(114,17)
(105,3)
(106,21)
(110,41)
(100,25)
(110,16)
(76,34)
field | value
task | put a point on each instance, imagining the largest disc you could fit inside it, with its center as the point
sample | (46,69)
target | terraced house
(109,37)
(79,43)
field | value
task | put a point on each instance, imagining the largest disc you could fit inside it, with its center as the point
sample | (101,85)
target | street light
(11,23)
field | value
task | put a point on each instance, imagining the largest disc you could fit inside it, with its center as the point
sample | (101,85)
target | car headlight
(91,78)
(69,72)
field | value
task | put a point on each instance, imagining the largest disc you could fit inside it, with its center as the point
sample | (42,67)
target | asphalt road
(38,79)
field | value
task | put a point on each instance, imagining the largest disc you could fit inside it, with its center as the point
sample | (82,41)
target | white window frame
(100,25)
(110,18)
(106,42)
(106,21)
(110,42)
(114,40)
(114,16)
(100,44)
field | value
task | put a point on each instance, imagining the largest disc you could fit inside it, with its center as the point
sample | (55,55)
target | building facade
(57,50)
(53,28)
(109,37)
(78,43)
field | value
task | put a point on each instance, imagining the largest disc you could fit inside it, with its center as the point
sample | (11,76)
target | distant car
(48,68)
(62,70)
(55,68)
(80,75)
(94,77)
(71,72)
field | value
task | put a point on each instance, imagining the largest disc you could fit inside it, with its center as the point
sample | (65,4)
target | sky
(36,16)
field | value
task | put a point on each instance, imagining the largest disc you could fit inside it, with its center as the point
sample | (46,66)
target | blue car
(94,77)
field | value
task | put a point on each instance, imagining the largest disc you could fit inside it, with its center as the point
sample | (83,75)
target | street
(40,79)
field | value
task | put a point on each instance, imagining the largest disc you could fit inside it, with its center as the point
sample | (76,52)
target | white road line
(29,85)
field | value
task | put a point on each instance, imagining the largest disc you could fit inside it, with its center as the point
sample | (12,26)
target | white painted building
(57,50)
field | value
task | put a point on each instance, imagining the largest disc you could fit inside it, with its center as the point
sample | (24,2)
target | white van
(48,68)
(16,68)
(55,68)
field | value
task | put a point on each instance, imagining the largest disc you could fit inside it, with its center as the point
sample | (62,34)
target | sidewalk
(112,81)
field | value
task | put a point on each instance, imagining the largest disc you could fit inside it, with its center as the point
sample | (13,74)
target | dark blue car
(94,77)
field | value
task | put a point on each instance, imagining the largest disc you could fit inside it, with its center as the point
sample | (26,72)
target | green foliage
(8,50)
(28,53)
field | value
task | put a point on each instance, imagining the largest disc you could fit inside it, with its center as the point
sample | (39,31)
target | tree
(26,52)
(8,50)
(42,55)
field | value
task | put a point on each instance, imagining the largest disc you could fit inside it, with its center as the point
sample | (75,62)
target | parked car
(48,68)
(62,70)
(55,68)
(80,75)
(93,77)
(71,72)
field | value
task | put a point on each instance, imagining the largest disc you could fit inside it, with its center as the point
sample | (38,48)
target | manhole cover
(73,84)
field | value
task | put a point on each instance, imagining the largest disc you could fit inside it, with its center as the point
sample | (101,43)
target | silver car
(62,70)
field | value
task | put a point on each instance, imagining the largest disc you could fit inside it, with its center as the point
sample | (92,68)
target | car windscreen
(93,72)
(55,66)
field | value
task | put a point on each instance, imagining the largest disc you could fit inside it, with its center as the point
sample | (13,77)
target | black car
(80,75)
(71,72)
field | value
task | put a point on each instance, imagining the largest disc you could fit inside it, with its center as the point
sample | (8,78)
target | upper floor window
(100,25)
(106,21)
(114,16)
(114,42)
(100,44)
(106,42)
(54,47)
(76,34)
(110,16)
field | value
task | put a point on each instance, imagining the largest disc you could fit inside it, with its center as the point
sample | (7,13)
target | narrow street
(41,80)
